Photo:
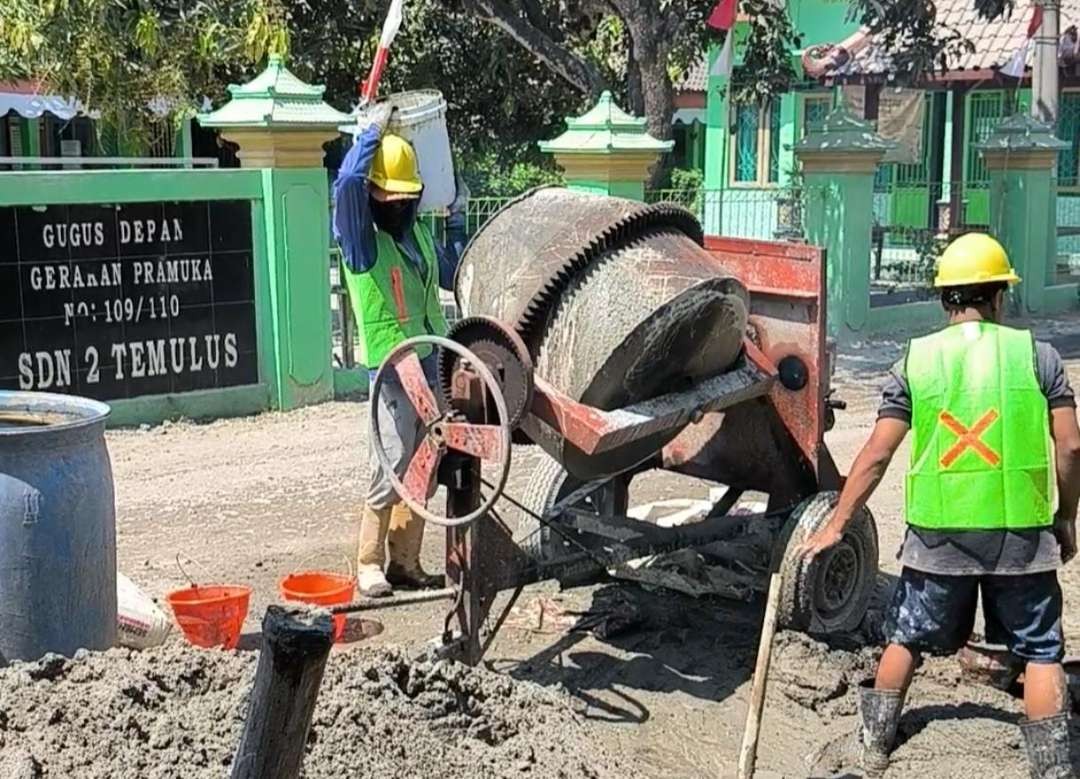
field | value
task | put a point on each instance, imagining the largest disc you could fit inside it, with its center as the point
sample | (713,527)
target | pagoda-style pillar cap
(606,146)
(1021,142)
(845,143)
(278,120)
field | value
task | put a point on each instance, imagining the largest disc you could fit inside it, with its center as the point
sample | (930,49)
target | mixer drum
(617,301)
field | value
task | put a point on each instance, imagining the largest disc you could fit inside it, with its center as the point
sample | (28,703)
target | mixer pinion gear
(445,429)
(505,355)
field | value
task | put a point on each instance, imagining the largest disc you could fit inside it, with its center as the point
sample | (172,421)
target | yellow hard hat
(975,258)
(395,168)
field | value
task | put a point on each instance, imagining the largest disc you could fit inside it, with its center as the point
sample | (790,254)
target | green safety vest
(980,458)
(393,300)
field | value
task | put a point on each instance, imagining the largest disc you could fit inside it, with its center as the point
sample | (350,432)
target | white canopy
(33,106)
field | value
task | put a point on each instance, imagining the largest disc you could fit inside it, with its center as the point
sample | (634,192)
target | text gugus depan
(132,231)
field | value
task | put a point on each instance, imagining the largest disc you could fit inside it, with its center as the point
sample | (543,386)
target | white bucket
(140,624)
(421,120)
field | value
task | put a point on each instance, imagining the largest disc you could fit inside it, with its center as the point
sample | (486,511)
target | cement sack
(140,624)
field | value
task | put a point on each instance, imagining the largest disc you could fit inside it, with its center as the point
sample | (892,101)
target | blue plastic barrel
(57,527)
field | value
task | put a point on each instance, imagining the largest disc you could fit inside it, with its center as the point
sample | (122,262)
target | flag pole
(1044,73)
(389,31)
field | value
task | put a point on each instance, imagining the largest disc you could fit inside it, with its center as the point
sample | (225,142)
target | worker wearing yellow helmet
(393,269)
(994,438)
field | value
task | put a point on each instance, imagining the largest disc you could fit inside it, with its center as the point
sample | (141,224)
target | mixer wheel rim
(831,594)
(546,486)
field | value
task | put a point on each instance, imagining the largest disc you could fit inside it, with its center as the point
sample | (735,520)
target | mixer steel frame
(758,427)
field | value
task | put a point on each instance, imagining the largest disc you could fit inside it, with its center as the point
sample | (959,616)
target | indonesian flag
(389,32)
(723,15)
(1017,63)
(723,18)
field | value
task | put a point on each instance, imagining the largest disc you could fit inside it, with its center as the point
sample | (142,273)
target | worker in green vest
(393,269)
(995,438)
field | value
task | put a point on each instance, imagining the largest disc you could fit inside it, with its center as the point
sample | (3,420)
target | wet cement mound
(178,712)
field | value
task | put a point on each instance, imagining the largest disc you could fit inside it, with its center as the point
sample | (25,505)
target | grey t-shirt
(977,552)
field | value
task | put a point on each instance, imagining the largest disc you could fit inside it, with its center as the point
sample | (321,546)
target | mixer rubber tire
(548,482)
(831,594)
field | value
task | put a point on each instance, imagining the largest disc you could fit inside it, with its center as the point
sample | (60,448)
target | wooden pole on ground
(296,643)
(748,751)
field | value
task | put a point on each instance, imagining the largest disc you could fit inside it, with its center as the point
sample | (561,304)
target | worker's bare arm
(1066,434)
(866,473)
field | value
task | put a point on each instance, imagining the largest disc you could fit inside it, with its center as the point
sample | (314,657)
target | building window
(755,144)
(815,109)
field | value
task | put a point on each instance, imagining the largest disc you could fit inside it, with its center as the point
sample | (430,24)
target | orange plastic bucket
(211,616)
(320,589)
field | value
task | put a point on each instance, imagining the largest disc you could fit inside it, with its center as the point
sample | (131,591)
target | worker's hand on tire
(824,539)
(1065,530)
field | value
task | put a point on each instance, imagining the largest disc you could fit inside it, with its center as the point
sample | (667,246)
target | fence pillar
(281,124)
(607,151)
(838,167)
(1020,155)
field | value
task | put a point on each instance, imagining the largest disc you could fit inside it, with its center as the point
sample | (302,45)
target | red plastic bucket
(320,589)
(211,616)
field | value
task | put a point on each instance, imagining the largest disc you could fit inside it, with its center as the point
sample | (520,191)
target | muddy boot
(1047,742)
(406,538)
(880,711)
(371,556)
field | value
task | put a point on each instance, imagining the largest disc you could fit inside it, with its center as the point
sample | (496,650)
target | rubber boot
(1047,742)
(406,539)
(881,711)
(371,556)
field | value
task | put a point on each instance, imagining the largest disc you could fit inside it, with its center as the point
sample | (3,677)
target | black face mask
(391,216)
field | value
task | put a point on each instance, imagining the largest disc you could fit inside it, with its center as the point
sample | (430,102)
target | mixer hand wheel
(443,430)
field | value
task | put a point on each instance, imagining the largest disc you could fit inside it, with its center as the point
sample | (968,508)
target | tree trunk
(634,93)
(658,98)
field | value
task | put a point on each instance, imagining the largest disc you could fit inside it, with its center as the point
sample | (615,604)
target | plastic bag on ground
(140,624)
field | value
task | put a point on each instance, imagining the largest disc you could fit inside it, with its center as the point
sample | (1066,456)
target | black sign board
(119,301)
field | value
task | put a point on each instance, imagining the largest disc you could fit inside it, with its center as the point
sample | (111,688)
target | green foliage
(929,248)
(687,178)
(766,70)
(501,173)
(687,187)
(134,62)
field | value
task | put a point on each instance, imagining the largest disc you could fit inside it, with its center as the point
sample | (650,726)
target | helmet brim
(393,189)
(1009,278)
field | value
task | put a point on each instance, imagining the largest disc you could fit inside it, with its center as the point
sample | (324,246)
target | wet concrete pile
(952,725)
(178,712)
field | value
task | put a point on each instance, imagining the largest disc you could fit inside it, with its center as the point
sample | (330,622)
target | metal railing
(913,222)
(25,163)
(763,213)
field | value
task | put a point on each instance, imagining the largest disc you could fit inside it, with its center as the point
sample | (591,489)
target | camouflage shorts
(935,613)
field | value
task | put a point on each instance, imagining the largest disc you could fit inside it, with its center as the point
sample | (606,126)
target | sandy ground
(250,500)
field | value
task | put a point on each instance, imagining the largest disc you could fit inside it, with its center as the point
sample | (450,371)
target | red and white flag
(1017,64)
(723,15)
(723,18)
(390,29)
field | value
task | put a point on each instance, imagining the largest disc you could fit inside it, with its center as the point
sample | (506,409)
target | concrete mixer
(616,338)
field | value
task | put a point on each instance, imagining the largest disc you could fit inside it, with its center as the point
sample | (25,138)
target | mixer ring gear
(444,429)
(602,225)
(502,351)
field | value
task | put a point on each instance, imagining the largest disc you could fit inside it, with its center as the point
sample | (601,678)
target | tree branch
(578,73)
(538,19)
